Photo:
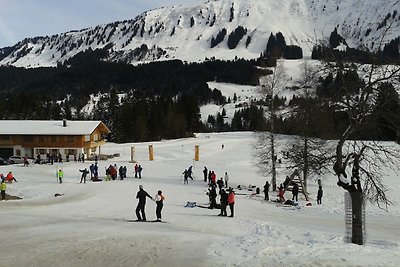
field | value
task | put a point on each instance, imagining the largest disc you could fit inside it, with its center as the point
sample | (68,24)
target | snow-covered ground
(84,227)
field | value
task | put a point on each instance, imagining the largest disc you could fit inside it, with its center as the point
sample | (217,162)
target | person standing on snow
(136,168)
(205,172)
(266,190)
(226,179)
(213,178)
(295,192)
(3,188)
(185,177)
(84,173)
(159,202)
(141,195)
(319,195)
(60,175)
(91,168)
(220,183)
(213,196)
(224,202)
(140,171)
(231,201)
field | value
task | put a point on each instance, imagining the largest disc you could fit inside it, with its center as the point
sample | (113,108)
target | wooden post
(151,153)
(196,153)
(133,154)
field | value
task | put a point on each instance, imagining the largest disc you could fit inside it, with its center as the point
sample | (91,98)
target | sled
(190,204)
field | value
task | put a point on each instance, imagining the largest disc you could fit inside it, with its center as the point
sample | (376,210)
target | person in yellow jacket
(60,175)
(3,188)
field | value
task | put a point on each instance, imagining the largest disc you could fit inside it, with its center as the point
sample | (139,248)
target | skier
(266,190)
(231,201)
(141,195)
(205,172)
(319,195)
(295,192)
(159,202)
(60,175)
(226,179)
(84,173)
(3,188)
(224,202)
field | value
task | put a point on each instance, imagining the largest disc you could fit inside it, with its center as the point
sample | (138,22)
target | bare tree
(310,156)
(364,159)
(270,86)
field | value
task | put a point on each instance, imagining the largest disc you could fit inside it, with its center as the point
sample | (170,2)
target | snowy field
(84,226)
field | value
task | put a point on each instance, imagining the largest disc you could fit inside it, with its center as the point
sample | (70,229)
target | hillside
(188,31)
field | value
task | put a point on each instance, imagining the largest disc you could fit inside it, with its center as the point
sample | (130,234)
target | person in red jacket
(231,200)
(10,177)
(213,178)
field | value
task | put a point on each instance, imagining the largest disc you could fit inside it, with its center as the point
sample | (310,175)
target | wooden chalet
(34,137)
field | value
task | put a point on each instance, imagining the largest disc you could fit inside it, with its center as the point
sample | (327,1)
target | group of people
(210,177)
(295,191)
(138,171)
(226,198)
(9,178)
(112,172)
(141,195)
(187,173)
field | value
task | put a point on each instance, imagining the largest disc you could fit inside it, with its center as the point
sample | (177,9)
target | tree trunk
(272,138)
(357,217)
(305,170)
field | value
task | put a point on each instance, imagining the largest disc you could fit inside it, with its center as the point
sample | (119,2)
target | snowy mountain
(223,29)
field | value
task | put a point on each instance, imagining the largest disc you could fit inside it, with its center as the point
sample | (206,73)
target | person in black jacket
(141,195)
(224,202)
(319,195)
(295,192)
(205,172)
(84,173)
(266,190)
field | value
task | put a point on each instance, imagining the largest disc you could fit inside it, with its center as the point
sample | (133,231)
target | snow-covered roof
(54,127)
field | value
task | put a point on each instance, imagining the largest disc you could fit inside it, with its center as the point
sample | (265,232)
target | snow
(80,228)
(302,22)
(38,127)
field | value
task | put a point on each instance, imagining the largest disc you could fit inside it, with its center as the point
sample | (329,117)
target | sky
(20,19)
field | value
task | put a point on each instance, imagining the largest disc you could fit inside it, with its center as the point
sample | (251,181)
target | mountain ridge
(185,31)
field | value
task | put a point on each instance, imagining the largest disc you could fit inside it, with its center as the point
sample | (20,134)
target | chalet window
(53,139)
(41,151)
(95,137)
(87,138)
